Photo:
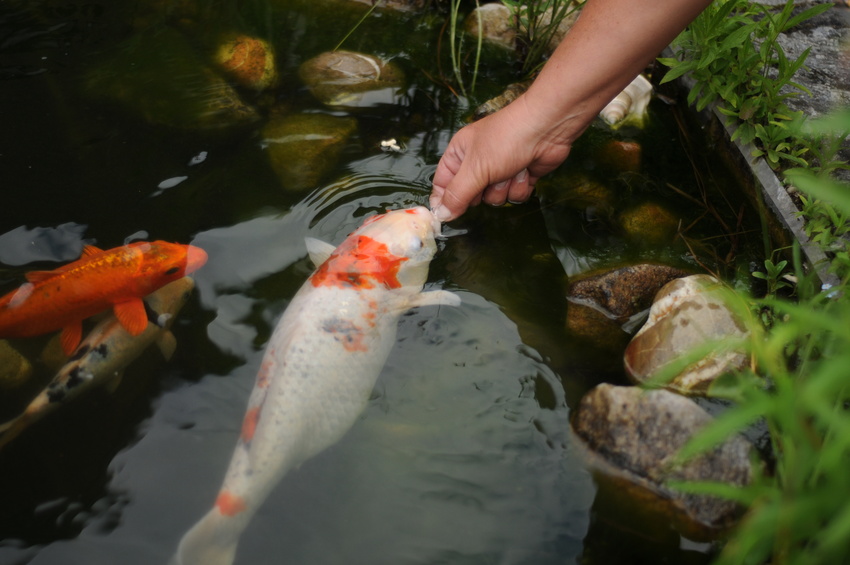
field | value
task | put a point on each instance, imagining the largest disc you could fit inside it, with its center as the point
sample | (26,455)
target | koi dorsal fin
(89,250)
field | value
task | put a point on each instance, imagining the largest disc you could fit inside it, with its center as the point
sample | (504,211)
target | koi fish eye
(172,271)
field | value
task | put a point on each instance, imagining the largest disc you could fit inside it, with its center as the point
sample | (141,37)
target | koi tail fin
(212,541)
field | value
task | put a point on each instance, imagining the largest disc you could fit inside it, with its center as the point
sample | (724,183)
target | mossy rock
(304,148)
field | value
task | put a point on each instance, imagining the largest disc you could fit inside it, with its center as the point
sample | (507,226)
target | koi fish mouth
(195,258)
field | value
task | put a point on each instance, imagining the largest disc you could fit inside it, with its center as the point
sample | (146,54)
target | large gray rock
(632,437)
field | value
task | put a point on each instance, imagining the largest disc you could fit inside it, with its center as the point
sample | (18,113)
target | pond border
(759,174)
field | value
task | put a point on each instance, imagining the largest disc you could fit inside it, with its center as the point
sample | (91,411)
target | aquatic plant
(538,24)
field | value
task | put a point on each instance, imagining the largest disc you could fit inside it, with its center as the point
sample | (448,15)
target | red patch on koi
(359,262)
(249,424)
(229,504)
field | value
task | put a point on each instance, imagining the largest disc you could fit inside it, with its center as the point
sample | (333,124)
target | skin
(499,158)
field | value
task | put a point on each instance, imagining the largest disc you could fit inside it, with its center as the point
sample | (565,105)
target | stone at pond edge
(632,437)
(625,291)
(649,223)
(346,78)
(249,61)
(303,148)
(497,24)
(687,313)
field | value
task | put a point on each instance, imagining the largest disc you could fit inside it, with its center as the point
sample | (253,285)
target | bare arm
(500,157)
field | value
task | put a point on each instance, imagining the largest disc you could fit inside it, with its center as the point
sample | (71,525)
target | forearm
(612,41)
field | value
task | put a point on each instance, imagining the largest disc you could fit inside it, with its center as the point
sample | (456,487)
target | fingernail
(500,185)
(442,213)
(521,176)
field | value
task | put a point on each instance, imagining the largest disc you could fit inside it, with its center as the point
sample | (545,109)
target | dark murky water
(464,454)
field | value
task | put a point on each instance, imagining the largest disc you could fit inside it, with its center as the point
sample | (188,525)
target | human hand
(495,160)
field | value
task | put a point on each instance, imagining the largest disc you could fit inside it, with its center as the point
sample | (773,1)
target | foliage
(732,53)
(797,513)
(538,22)
(456,47)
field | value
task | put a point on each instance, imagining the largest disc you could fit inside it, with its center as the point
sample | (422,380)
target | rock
(593,327)
(621,156)
(346,78)
(169,84)
(649,223)
(15,370)
(687,313)
(303,148)
(578,191)
(511,93)
(632,437)
(249,61)
(497,24)
(622,293)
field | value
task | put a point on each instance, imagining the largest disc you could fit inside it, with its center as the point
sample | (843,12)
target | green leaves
(731,52)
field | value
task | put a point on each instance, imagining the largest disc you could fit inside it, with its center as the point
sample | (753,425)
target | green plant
(798,386)
(456,47)
(732,54)
(772,275)
(538,23)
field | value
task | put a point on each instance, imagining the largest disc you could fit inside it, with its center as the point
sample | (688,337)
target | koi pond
(119,127)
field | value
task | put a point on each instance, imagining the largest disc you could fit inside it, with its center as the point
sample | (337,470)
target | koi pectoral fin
(132,315)
(70,337)
(435,298)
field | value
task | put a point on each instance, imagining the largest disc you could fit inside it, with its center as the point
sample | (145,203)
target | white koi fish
(103,355)
(320,366)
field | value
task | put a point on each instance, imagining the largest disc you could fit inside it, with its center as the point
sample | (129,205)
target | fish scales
(320,366)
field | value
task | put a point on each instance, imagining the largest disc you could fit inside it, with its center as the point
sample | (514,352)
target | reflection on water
(464,453)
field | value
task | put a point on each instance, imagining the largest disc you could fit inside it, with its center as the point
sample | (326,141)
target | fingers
(515,190)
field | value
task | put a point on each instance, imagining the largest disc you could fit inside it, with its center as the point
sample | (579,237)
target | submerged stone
(160,77)
(687,313)
(621,293)
(346,78)
(303,148)
(249,61)
(632,437)
(621,156)
(650,223)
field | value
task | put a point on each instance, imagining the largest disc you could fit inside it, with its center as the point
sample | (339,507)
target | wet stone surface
(632,437)
(688,313)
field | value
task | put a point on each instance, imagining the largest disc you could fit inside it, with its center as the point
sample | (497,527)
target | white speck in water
(170,183)
(199,158)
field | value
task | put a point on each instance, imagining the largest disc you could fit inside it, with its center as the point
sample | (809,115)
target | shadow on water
(464,454)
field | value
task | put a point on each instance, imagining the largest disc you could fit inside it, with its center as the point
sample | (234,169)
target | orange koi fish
(117,278)
(320,366)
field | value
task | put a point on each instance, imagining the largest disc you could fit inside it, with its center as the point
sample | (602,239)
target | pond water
(464,454)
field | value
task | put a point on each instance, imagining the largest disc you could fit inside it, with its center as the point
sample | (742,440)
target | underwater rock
(621,293)
(511,93)
(649,222)
(621,156)
(497,24)
(303,148)
(15,370)
(632,437)
(592,327)
(169,84)
(578,191)
(630,106)
(687,312)
(249,61)
(346,78)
